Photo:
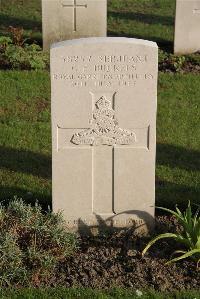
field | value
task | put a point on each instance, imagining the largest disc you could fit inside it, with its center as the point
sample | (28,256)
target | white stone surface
(69,19)
(187,27)
(104,95)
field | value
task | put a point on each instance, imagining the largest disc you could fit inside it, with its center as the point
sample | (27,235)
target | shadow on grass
(177,156)
(8,193)
(163,44)
(34,26)
(168,193)
(27,24)
(143,18)
(26,162)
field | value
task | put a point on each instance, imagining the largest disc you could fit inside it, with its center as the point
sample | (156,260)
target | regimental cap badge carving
(104,128)
(103,103)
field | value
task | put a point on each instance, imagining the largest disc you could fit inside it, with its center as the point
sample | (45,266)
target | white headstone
(187,27)
(104,94)
(70,19)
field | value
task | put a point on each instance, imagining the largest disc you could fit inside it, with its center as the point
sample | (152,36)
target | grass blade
(187,254)
(162,236)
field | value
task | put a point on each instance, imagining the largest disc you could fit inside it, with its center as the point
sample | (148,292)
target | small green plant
(189,236)
(4,42)
(32,244)
(178,62)
(171,62)
(26,57)
(15,52)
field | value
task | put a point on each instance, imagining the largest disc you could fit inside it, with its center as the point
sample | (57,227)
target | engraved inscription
(104,71)
(104,128)
(109,222)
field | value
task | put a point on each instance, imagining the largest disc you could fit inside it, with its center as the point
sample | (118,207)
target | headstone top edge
(96,40)
(188,0)
(87,0)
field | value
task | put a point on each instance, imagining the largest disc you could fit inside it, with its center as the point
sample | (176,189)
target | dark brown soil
(191,68)
(188,67)
(115,260)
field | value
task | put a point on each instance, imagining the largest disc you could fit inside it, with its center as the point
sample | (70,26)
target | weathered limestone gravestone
(69,19)
(104,93)
(187,27)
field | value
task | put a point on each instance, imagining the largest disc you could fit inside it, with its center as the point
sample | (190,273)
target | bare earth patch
(115,260)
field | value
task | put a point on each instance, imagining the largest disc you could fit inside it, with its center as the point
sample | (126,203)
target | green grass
(178,144)
(25,144)
(146,19)
(61,293)
(21,13)
(25,130)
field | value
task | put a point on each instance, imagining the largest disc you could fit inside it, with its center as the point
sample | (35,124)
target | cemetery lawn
(25,158)
(22,13)
(146,19)
(61,293)
(25,143)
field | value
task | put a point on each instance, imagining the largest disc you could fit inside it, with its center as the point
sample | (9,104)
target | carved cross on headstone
(65,3)
(103,131)
(103,136)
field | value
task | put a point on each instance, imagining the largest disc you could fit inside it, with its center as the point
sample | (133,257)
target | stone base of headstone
(136,227)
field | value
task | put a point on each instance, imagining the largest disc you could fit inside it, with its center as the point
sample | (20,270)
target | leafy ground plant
(15,52)
(179,63)
(189,236)
(32,244)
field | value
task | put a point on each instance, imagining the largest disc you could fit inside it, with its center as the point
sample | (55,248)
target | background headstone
(104,93)
(187,27)
(70,19)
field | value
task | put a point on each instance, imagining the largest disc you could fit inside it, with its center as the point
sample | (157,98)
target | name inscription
(104,71)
